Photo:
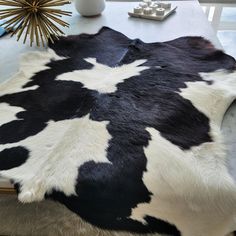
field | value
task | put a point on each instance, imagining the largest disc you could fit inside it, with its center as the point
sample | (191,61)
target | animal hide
(124,133)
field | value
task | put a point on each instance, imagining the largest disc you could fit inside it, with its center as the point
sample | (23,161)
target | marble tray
(153,16)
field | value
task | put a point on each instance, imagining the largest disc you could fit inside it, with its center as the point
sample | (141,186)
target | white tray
(153,16)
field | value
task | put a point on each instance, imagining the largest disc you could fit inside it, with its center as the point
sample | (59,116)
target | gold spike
(37,19)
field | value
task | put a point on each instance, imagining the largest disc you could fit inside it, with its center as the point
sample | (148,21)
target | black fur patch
(13,157)
(107,220)
(107,192)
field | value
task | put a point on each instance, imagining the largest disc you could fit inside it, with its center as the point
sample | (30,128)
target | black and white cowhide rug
(124,133)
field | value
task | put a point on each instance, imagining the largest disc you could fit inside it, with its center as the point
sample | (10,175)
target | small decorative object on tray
(34,18)
(152,10)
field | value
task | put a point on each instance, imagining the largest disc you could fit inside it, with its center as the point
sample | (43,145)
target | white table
(189,20)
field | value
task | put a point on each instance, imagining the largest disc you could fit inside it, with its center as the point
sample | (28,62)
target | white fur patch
(102,77)
(30,64)
(8,113)
(191,189)
(212,99)
(55,164)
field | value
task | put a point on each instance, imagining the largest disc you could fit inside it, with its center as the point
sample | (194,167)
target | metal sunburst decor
(35,19)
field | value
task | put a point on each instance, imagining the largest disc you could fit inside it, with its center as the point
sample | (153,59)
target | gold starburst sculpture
(35,19)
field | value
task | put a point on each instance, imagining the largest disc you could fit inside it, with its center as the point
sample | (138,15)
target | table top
(189,20)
